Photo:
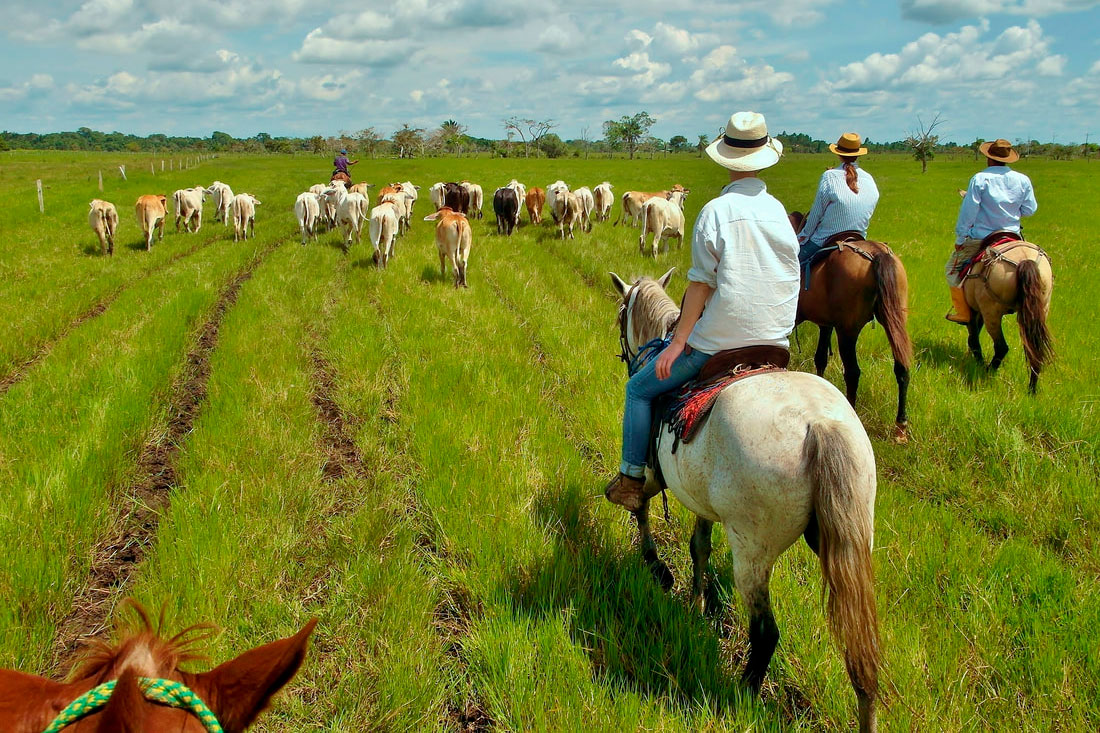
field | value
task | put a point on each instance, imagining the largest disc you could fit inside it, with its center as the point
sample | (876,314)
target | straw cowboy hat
(746,145)
(849,145)
(999,150)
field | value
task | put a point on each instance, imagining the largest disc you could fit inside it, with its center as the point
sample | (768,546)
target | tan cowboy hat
(999,150)
(849,145)
(746,145)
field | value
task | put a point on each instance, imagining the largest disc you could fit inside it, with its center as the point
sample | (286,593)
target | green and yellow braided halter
(167,692)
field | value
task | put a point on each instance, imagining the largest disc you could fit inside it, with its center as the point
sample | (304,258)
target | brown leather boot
(626,491)
(961,310)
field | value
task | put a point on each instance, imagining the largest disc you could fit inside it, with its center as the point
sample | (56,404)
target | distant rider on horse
(995,199)
(845,201)
(744,272)
(340,166)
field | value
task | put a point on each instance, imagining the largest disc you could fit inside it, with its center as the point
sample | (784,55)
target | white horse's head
(646,312)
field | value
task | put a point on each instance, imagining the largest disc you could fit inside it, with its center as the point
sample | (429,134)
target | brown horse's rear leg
(846,345)
(653,561)
(700,557)
(974,339)
(824,345)
(1000,346)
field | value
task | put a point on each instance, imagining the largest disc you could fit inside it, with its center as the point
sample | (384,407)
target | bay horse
(1012,277)
(136,686)
(781,455)
(848,288)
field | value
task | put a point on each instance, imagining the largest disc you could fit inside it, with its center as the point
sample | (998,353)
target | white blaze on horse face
(631,345)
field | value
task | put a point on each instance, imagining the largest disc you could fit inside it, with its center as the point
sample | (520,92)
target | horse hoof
(901,433)
(660,572)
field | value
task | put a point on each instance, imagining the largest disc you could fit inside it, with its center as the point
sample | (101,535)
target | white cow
(401,207)
(411,195)
(188,205)
(521,195)
(103,218)
(437,193)
(223,200)
(553,191)
(587,203)
(307,208)
(477,197)
(605,199)
(567,211)
(664,218)
(351,211)
(243,213)
(384,224)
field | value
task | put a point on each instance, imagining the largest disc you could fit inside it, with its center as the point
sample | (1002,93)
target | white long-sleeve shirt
(995,199)
(744,247)
(837,208)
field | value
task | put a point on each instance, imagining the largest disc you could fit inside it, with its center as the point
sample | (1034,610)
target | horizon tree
(628,130)
(922,142)
(408,139)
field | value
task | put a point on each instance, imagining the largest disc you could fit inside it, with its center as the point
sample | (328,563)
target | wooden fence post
(41,204)
(122,170)
(101,180)
(152,169)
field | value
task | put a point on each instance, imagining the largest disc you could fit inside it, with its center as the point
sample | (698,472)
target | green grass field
(450,532)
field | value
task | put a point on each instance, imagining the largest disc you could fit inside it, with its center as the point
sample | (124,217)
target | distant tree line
(524,137)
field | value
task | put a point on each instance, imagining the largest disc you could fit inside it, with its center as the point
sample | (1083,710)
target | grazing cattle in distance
(633,200)
(103,218)
(664,218)
(456,197)
(587,203)
(223,199)
(534,201)
(361,188)
(151,211)
(505,206)
(453,239)
(384,223)
(351,211)
(605,199)
(307,209)
(243,212)
(188,205)
(477,197)
(567,212)
(553,191)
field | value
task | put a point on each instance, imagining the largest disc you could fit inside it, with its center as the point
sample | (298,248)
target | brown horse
(860,282)
(1012,277)
(235,692)
(341,176)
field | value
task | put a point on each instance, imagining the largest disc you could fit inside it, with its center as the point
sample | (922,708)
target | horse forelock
(652,313)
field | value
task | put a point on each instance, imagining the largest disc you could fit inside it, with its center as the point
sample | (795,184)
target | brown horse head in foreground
(1013,277)
(860,282)
(236,692)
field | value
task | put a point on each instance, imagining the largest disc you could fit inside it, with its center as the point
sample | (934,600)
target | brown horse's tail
(1032,317)
(845,535)
(892,305)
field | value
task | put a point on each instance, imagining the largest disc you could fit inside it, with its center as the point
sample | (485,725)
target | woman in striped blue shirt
(845,200)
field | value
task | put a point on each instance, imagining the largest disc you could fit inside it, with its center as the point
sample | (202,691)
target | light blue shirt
(837,208)
(995,199)
(743,246)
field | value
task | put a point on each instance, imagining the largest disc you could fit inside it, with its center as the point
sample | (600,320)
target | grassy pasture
(466,570)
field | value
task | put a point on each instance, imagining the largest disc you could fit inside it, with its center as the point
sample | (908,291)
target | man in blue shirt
(995,199)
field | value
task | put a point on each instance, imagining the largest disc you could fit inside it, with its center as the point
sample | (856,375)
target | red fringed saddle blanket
(995,239)
(685,410)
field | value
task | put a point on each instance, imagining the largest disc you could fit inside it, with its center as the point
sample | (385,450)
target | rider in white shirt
(996,199)
(845,201)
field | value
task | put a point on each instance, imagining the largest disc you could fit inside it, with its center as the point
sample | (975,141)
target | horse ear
(29,703)
(240,689)
(663,279)
(619,284)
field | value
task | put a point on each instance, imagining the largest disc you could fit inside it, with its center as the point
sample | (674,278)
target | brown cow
(453,238)
(536,198)
(151,211)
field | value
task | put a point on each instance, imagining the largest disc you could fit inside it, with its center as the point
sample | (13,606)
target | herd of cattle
(335,204)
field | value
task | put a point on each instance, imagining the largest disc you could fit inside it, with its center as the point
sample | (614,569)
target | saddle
(992,239)
(686,409)
(340,176)
(838,241)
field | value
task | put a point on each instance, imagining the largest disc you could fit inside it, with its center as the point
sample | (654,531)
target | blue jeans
(642,388)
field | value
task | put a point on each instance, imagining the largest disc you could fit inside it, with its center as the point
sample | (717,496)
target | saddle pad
(967,266)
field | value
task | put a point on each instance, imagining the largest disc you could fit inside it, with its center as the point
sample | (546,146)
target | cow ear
(663,279)
(617,281)
(240,689)
(29,703)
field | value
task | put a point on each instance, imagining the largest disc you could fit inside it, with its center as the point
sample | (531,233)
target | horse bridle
(624,343)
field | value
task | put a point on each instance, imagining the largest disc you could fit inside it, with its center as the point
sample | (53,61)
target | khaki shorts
(959,257)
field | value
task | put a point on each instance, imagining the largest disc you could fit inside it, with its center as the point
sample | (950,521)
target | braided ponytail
(851,177)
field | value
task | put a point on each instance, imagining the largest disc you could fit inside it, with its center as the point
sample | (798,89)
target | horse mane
(654,312)
(142,648)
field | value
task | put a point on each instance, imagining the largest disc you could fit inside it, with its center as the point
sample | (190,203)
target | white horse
(782,454)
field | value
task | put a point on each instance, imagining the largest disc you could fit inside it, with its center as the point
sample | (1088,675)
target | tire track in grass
(134,531)
(18,372)
(792,701)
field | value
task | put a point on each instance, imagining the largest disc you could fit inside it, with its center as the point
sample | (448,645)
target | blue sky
(991,68)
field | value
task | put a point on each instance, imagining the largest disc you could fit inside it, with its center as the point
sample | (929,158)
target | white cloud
(1051,66)
(946,11)
(317,48)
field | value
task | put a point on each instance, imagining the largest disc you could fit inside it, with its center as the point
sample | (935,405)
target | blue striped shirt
(837,209)
(995,199)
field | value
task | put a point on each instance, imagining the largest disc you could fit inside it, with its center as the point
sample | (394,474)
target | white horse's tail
(845,535)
